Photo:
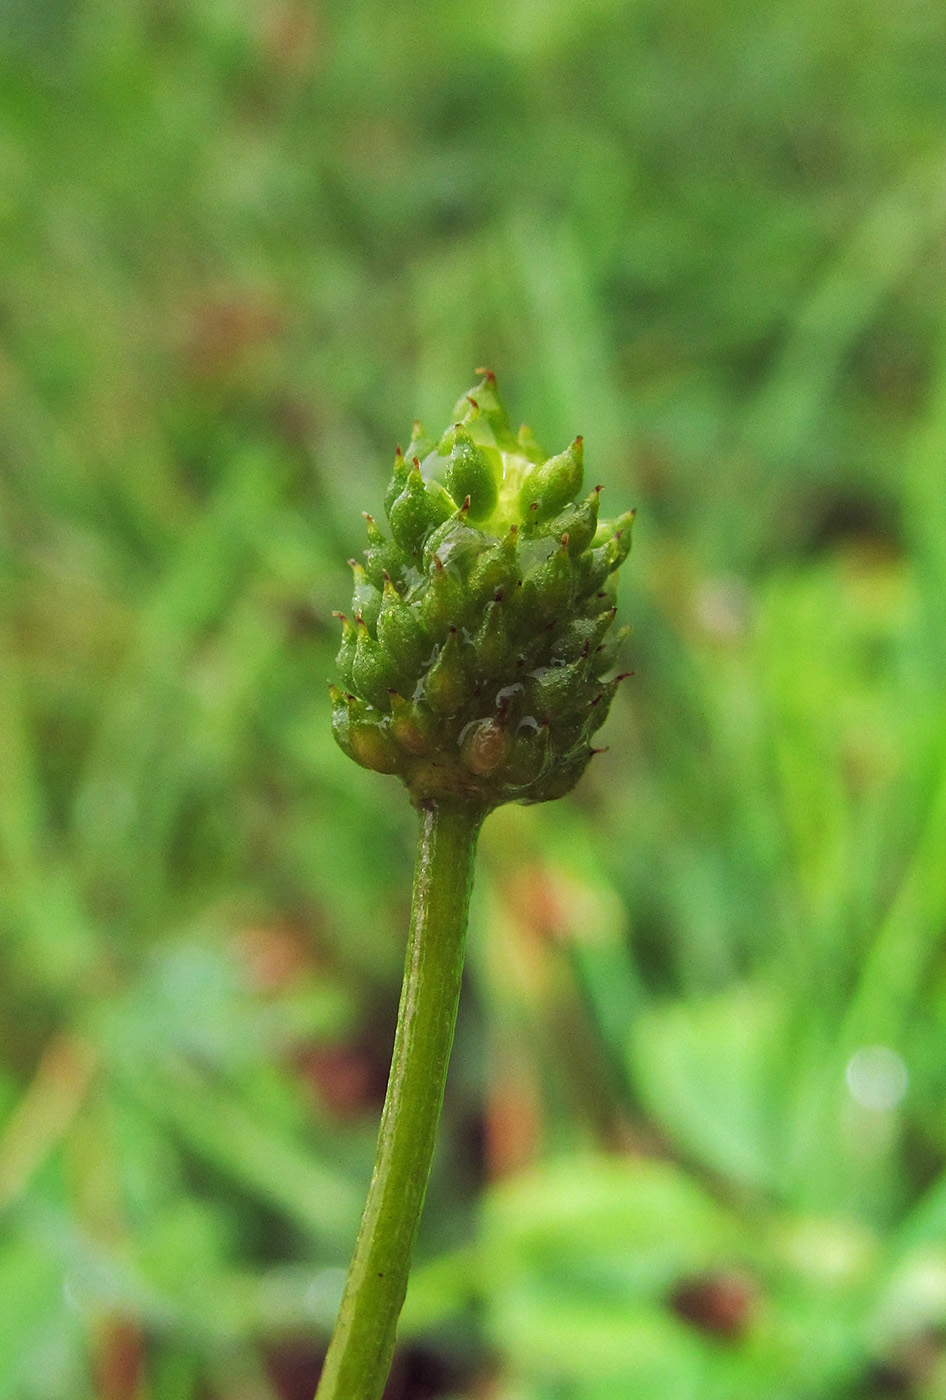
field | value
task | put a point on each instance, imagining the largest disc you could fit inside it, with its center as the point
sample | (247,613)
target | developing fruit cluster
(472,663)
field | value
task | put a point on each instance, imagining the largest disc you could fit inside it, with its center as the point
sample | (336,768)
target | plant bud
(482,628)
(547,590)
(402,470)
(496,570)
(454,543)
(446,685)
(360,732)
(373,674)
(382,557)
(417,511)
(401,634)
(421,444)
(469,474)
(412,726)
(483,412)
(445,603)
(579,522)
(372,747)
(581,636)
(549,487)
(619,543)
(611,546)
(492,648)
(555,690)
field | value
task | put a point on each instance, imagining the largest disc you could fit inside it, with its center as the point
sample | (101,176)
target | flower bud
(473,667)
(547,591)
(421,444)
(382,557)
(579,522)
(446,685)
(402,470)
(496,570)
(492,646)
(401,634)
(445,603)
(373,747)
(549,487)
(483,412)
(361,733)
(413,727)
(559,690)
(469,475)
(417,511)
(372,672)
(581,636)
(611,546)
(454,543)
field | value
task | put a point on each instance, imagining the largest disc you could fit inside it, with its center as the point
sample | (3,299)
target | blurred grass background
(695,1139)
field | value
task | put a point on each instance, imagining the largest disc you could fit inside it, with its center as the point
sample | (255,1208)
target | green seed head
(473,660)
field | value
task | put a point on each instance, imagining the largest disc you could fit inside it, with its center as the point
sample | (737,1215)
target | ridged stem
(362,1345)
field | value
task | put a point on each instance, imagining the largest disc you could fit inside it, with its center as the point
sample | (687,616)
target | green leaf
(636,1225)
(31,1287)
(555,1336)
(709,1073)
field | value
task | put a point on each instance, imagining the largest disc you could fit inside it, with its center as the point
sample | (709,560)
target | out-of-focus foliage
(695,1138)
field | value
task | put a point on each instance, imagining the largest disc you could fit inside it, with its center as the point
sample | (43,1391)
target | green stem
(359,1356)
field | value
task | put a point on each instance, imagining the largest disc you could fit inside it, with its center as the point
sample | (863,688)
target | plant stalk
(359,1356)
